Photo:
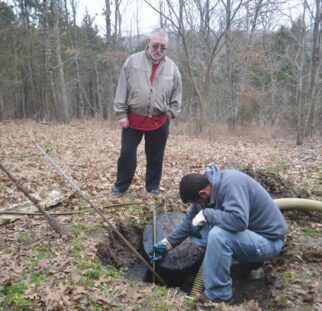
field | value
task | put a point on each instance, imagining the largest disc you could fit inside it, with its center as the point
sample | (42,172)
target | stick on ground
(53,223)
(66,213)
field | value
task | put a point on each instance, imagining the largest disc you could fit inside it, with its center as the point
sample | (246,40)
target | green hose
(283,204)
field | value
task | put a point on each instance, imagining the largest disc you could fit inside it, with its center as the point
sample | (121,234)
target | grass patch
(161,301)
(90,276)
(95,229)
(161,292)
(96,306)
(14,297)
(137,211)
(37,278)
(304,185)
(94,270)
(45,248)
(287,277)
(82,203)
(39,253)
(20,157)
(33,261)
(189,303)
(76,229)
(76,248)
(276,168)
(311,232)
(24,238)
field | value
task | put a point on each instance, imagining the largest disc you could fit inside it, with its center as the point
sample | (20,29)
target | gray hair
(161,32)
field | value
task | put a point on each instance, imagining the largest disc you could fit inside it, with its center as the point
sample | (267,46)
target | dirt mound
(276,186)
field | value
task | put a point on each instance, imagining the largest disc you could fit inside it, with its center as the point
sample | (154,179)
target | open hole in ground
(181,265)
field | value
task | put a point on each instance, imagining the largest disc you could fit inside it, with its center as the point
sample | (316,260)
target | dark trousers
(155,142)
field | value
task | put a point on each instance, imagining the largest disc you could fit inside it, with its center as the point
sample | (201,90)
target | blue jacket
(237,203)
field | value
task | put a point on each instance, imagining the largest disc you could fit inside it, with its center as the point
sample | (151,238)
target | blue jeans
(221,246)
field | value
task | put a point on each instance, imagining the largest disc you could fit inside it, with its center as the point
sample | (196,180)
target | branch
(66,213)
(54,224)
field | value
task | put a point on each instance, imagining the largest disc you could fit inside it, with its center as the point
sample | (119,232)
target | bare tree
(315,68)
(73,41)
(30,101)
(108,43)
(193,40)
(117,23)
(230,91)
(48,55)
(300,84)
(62,103)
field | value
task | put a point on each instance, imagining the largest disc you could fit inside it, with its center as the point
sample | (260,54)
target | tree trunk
(98,87)
(74,45)
(108,43)
(315,65)
(48,55)
(299,98)
(62,107)
(31,103)
(2,113)
(117,23)
(230,97)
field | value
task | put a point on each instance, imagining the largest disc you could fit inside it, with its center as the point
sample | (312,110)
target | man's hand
(124,123)
(195,231)
(160,250)
(199,220)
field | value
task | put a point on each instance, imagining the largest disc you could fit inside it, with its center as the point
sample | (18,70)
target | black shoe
(155,191)
(116,191)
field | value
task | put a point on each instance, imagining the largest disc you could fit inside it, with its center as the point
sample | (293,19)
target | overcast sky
(148,18)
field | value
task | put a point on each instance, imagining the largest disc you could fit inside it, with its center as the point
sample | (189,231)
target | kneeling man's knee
(217,234)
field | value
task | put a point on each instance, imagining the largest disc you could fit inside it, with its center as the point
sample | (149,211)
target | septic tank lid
(181,257)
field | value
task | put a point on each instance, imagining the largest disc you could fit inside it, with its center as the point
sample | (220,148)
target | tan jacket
(135,92)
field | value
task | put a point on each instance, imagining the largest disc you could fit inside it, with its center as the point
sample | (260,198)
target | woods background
(242,62)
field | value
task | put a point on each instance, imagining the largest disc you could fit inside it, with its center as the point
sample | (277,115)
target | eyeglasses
(157,45)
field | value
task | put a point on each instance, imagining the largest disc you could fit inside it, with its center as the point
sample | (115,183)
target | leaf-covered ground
(40,270)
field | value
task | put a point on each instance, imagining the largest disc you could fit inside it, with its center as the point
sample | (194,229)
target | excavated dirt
(276,185)
(113,251)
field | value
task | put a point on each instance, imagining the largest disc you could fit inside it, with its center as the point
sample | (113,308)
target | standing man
(232,216)
(148,95)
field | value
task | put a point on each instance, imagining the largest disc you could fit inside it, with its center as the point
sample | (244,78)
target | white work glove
(124,122)
(166,243)
(199,220)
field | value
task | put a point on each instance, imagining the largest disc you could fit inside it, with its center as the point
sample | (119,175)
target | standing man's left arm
(176,96)
(120,100)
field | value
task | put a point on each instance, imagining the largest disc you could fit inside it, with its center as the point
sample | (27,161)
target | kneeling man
(232,216)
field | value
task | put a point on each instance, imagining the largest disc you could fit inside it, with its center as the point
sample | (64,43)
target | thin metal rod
(154,237)
(86,198)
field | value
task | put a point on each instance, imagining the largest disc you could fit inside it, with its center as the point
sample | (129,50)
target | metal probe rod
(86,198)
(154,237)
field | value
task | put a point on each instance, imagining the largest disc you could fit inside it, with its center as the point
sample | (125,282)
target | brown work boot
(204,299)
